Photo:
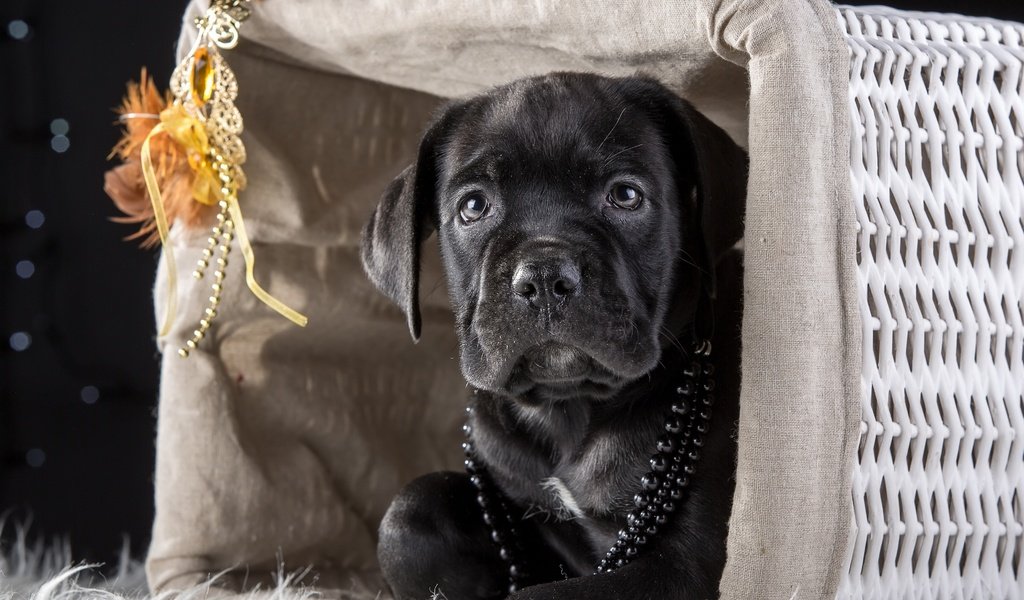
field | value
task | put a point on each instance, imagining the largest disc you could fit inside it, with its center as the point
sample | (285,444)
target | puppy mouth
(557,371)
(554,362)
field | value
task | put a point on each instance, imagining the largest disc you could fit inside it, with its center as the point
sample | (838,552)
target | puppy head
(579,220)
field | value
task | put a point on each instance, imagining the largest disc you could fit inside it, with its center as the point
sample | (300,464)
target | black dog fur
(570,301)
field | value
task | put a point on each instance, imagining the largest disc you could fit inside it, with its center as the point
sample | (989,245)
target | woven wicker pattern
(936,164)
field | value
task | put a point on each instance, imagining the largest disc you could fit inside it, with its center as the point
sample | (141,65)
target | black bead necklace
(662,490)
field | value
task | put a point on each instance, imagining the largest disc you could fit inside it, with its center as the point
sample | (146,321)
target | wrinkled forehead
(551,128)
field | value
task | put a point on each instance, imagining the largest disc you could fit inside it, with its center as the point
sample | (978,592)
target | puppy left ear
(390,246)
(391,240)
(710,164)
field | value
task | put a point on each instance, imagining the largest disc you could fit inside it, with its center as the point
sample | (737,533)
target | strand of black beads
(664,488)
(494,509)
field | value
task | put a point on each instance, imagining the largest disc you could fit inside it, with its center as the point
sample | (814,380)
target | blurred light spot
(59,127)
(18,29)
(25,269)
(90,394)
(35,219)
(60,143)
(35,458)
(20,341)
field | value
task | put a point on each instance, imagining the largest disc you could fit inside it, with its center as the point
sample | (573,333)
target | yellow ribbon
(191,135)
(188,133)
(161,226)
(250,266)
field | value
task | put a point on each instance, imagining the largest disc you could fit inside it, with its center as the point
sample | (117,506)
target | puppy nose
(546,280)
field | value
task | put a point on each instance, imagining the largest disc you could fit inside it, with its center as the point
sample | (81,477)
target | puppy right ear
(391,240)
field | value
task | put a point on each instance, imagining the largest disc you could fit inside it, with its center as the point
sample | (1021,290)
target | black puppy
(580,221)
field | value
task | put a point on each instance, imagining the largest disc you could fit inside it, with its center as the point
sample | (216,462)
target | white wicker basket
(936,164)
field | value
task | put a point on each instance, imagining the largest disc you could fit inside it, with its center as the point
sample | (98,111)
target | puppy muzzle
(554,324)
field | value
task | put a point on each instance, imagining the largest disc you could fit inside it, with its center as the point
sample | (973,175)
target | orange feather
(124,183)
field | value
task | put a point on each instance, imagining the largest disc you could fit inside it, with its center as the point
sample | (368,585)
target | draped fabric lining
(279,439)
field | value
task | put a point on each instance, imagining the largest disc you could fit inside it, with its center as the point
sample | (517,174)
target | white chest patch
(568,509)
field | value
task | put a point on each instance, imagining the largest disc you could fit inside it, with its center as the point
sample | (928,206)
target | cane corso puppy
(581,220)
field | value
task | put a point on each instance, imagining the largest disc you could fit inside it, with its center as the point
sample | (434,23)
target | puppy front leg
(655,577)
(432,539)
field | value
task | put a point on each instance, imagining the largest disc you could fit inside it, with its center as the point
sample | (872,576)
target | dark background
(76,405)
(78,364)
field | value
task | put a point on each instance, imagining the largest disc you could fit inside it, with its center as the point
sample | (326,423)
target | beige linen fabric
(275,438)
(295,439)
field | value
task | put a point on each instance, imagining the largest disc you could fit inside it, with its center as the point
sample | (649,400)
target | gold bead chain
(220,240)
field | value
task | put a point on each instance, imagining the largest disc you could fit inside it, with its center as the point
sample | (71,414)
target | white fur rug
(34,570)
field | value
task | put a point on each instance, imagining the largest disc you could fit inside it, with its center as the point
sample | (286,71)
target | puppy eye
(625,196)
(473,208)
